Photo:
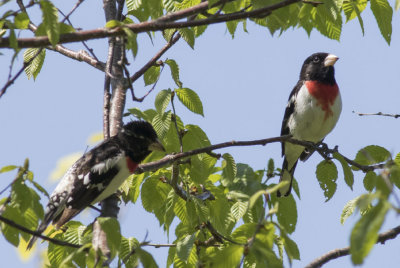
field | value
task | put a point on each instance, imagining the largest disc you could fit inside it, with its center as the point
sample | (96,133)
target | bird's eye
(316,59)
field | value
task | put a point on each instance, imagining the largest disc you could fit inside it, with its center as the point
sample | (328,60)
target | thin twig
(38,234)
(155,58)
(169,159)
(12,80)
(378,113)
(134,98)
(336,253)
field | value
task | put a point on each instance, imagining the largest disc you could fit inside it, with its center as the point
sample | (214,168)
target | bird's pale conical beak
(156,146)
(330,60)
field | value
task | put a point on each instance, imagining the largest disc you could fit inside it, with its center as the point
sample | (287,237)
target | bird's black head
(319,67)
(139,139)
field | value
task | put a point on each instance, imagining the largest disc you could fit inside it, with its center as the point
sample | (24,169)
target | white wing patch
(103,167)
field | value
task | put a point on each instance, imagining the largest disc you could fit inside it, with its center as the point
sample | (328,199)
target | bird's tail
(48,217)
(287,175)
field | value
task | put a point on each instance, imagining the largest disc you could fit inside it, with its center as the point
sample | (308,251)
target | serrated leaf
(228,257)
(220,216)
(131,39)
(291,248)
(229,167)
(372,154)
(327,175)
(383,13)
(190,99)
(133,4)
(195,138)
(348,174)
(74,232)
(188,35)
(8,168)
(162,100)
(365,232)
(111,228)
(146,258)
(34,68)
(287,213)
(348,209)
(353,9)
(134,191)
(239,209)
(21,20)
(127,247)
(139,114)
(66,28)
(50,21)
(174,71)
(151,75)
(184,246)
(161,124)
(328,20)
(370,180)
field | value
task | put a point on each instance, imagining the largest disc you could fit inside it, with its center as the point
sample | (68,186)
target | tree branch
(336,253)
(159,24)
(38,234)
(378,113)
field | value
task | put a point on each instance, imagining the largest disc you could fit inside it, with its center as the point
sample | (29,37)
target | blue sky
(244,85)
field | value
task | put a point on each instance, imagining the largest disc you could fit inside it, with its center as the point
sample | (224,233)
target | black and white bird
(312,111)
(99,173)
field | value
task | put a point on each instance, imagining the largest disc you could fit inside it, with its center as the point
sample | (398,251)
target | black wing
(89,183)
(289,111)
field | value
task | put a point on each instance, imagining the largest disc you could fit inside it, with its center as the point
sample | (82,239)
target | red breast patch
(131,165)
(325,95)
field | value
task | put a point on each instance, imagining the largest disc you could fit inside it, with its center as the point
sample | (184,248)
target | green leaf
(190,99)
(327,175)
(383,13)
(353,9)
(188,35)
(161,124)
(133,4)
(238,209)
(134,191)
(291,248)
(348,174)
(50,21)
(66,28)
(56,253)
(112,230)
(146,258)
(220,216)
(131,39)
(328,20)
(194,138)
(348,209)
(113,23)
(151,75)
(370,180)
(35,67)
(228,257)
(184,246)
(372,154)
(162,100)
(74,232)
(21,21)
(397,5)
(229,167)
(365,232)
(127,246)
(8,168)
(174,71)
(287,213)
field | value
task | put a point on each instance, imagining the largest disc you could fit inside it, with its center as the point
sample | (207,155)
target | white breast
(309,122)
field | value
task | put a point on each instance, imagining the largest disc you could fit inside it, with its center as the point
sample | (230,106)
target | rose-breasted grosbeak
(312,111)
(99,173)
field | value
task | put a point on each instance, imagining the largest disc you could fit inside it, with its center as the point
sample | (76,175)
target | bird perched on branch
(312,111)
(99,173)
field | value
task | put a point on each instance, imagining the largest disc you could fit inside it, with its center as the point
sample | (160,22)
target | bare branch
(159,24)
(336,253)
(378,113)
